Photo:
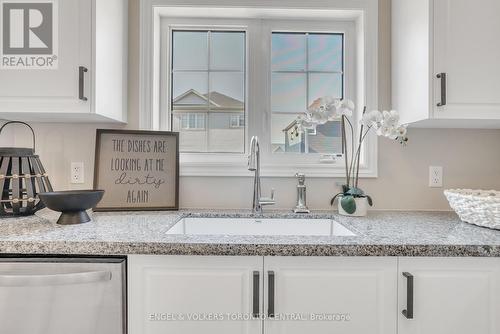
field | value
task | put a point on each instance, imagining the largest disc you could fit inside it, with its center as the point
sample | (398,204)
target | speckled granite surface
(379,234)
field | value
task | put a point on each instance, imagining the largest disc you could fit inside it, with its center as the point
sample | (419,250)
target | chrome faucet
(254,165)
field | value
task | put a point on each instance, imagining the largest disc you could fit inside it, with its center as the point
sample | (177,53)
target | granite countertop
(382,233)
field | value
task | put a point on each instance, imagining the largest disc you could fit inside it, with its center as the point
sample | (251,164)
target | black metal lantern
(22,178)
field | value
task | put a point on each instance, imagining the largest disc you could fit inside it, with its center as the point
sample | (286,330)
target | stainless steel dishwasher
(62,295)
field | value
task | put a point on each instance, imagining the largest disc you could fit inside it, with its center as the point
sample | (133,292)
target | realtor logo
(29,34)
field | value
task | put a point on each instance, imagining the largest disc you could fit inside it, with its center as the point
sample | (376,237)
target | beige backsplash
(471,158)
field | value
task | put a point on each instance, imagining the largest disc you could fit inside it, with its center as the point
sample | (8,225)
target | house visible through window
(304,67)
(208,90)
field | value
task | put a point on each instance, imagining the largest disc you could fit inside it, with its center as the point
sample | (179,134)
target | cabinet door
(466,48)
(450,295)
(347,295)
(54,88)
(192,295)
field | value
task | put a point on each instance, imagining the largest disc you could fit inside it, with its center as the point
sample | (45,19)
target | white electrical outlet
(435,176)
(77,173)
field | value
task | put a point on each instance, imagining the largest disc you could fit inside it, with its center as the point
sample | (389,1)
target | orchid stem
(350,169)
(344,149)
(358,153)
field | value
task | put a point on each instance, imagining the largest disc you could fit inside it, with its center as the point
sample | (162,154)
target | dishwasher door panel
(61,297)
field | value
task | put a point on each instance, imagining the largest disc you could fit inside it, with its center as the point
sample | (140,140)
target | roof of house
(289,126)
(194,99)
(223,100)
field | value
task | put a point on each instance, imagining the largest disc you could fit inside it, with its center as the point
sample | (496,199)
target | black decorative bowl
(72,204)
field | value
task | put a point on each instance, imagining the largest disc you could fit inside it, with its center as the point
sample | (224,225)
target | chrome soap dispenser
(301,194)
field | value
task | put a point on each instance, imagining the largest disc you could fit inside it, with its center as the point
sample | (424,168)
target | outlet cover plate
(77,173)
(435,176)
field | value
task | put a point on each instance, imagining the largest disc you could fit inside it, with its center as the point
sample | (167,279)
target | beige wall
(471,158)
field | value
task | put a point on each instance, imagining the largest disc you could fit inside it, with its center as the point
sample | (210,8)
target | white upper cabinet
(64,60)
(324,295)
(445,68)
(450,296)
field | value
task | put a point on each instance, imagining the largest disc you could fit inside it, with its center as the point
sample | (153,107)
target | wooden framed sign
(138,170)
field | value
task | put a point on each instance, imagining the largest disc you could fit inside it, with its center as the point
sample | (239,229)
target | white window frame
(362,15)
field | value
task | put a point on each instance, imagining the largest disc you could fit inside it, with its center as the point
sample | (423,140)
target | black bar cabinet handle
(81,83)
(270,294)
(408,313)
(256,293)
(442,76)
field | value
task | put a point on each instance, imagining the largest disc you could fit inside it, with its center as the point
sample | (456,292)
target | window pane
(325,52)
(324,84)
(222,137)
(200,121)
(327,139)
(288,92)
(191,137)
(288,52)
(189,90)
(190,50)
(227,91)
(237,120)
(227,96)
(185,121)
(204,99)
(227,51)
(192,121)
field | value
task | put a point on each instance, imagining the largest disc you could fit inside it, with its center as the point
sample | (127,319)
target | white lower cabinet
(309,294)
(327,295)
(450,295)
(189,294)
(313,295)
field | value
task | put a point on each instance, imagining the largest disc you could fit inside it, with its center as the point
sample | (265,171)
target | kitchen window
(252,71)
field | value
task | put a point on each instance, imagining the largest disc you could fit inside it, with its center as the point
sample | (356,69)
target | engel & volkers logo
(29,34)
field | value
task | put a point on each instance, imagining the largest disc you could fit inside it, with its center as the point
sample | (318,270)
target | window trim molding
(365,13)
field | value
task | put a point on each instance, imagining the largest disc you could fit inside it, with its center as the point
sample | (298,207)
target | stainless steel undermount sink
(260,227)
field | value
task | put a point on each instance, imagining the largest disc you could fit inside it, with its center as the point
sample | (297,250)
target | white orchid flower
(390,118)
(348,104)
(394,134)
(402,131)
(373,118)
(384,130)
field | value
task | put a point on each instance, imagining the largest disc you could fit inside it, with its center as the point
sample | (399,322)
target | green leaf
(370,201)
(334,198)
(348,203)
(356,192)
